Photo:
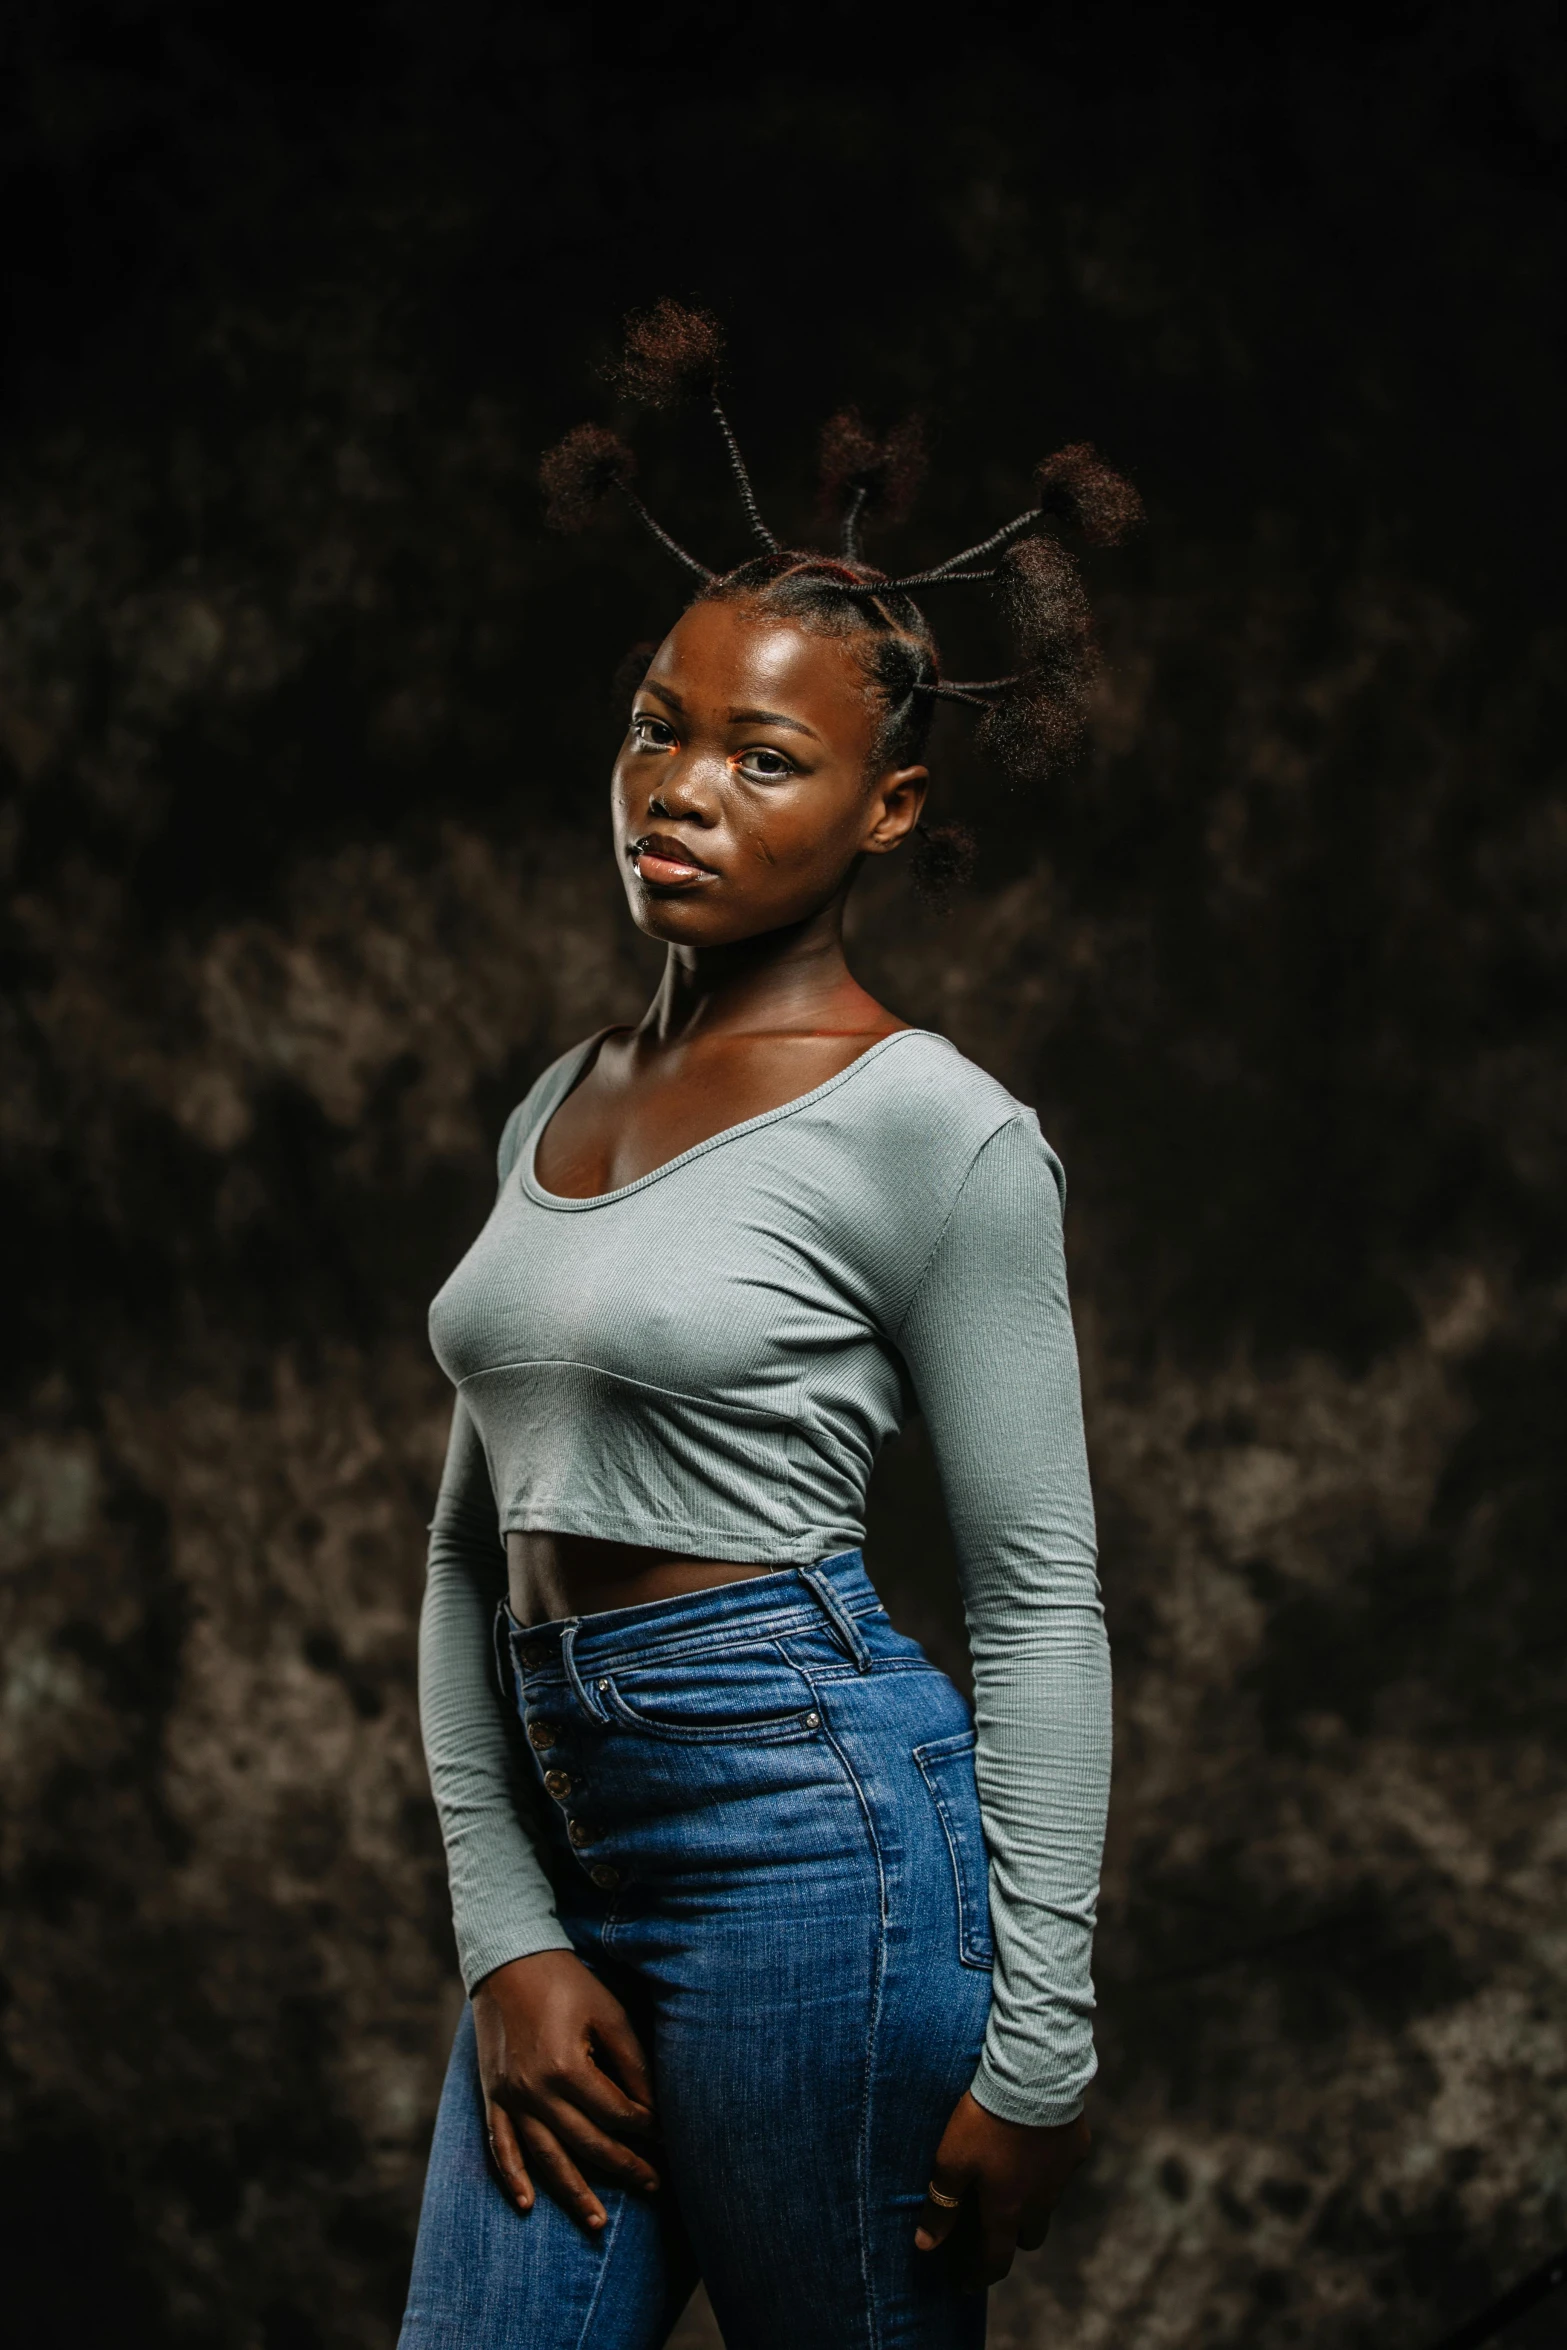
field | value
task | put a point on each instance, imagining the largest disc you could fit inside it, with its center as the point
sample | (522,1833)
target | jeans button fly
(580,1833)
(605,1877)
(558,1783)
(541,1734)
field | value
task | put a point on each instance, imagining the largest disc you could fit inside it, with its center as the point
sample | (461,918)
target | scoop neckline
(534,1189)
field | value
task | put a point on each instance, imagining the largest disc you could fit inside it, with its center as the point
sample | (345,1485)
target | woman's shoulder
(920,1082)
(922,1112)
(930,1144)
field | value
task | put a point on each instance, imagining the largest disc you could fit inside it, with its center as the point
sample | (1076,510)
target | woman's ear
(894,810)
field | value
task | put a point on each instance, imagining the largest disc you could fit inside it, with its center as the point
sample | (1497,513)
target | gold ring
(946,2202)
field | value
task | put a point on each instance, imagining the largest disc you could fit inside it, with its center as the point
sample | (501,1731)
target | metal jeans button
(605,1876)
(558,1783)
(541,1734)
(580,1833)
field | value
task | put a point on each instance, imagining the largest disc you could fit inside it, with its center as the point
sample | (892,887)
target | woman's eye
(652,734)
(764,765)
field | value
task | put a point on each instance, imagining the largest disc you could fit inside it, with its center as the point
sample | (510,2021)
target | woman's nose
(682,791)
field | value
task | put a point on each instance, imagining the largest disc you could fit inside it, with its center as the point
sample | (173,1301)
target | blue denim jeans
(768,1844)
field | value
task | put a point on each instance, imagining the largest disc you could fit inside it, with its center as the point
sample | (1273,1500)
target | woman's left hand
(1006,2178)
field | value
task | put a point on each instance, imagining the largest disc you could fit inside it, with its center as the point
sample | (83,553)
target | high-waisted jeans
(770,1849)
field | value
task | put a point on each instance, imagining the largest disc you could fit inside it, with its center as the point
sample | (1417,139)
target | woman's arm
(989,1345)
(502,1905)
(565,2082)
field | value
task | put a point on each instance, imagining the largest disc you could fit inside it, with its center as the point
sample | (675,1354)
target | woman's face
(746,789)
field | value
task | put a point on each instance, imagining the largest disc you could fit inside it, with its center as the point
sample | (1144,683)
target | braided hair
(1031,719)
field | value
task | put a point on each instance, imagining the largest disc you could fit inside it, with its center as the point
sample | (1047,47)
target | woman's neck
(787,982)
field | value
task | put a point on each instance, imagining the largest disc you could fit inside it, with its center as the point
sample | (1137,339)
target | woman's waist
(739,1603)
(553,1577)
(758,1724)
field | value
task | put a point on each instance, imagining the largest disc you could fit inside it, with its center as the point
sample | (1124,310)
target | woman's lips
(666,863)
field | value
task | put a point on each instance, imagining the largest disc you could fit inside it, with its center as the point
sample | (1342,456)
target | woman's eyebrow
(650,685)
(772,718)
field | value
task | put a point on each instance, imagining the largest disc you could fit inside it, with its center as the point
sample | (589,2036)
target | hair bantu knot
(579,473)
(1043,596)
(1076,482)
(1034,728)
(1035,720)
(669,352)
(870,477)
(849,452)
(943,861)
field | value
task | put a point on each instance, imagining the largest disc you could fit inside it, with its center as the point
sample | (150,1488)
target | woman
(749,2000)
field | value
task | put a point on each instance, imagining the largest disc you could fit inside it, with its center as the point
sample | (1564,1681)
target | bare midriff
(554,1575)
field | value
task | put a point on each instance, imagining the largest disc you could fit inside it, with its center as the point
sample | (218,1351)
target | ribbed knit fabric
(707,1361)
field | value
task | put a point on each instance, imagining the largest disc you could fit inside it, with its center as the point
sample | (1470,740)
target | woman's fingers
(943,2200)
(998,2241)
(1007,2177)
(559,2175)
(983,2232)
(592,2092)
(557,2157)
(542,2021)
(597,2152)
(509,2165)
(624,2050)
(1033,2228)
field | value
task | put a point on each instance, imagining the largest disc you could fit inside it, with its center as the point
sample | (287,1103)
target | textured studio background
(305,729)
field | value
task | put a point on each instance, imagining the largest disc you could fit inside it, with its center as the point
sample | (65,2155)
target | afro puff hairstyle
(1032,719)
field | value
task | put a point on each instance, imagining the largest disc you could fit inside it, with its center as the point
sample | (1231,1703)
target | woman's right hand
(565,2084)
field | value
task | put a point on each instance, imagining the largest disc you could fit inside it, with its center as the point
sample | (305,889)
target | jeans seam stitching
(862,2157)
(760,1631)
(598,2282)
(970,1943)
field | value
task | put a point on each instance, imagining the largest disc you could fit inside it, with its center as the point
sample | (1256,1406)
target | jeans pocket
(748,1699)
(947,1767)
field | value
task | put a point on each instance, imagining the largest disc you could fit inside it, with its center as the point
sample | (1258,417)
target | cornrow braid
(657,531)
(671,352)
(753,512)
(1031,718)
(922,579)
(978,692)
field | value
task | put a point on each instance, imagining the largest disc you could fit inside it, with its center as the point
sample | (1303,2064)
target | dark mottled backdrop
(305,730)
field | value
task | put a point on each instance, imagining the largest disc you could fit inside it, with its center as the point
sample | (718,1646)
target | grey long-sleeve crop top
(896,1230)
